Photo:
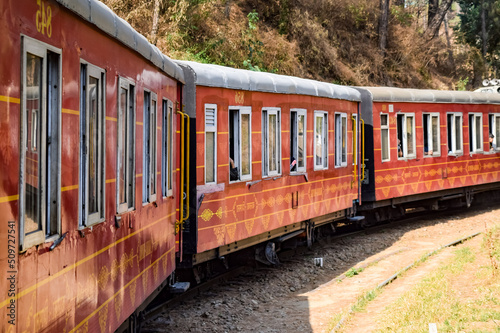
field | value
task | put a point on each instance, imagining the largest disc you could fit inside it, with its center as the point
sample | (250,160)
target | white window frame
(430,138)
(167,143)
(404,143)
(324,140)
(128,146)
(340,151)
(475,147)
(454,150)
(86,219)
(211,127)
(266,113)
(150,152)
(494,121)
(295,140)
(382,129)
(49,104)
(241,110)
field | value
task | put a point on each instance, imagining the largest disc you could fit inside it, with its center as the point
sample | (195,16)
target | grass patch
(353,271)
(435,300)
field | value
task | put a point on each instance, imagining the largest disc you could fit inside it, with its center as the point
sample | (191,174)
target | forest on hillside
(441,44)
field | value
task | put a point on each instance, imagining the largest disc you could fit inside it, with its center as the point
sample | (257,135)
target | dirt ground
(298,296)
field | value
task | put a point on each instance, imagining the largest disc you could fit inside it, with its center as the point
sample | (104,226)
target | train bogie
(272,154)
(427,147)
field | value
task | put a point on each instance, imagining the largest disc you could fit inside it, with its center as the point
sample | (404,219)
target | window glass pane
(319,140)
(383,120)
(153,148)
(344,136)
(210,160)
(245,144)
(478,134)
(458,132)
(93,144)
(32,170)
(272,143)
(435,135)
(385,144)
(170,147)
(497,131)
(122,128)
(301,141)
(409,135)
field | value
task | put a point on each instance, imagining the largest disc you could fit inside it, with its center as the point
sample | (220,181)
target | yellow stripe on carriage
(9,99)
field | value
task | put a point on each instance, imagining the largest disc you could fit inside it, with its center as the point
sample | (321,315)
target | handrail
(355,153)
(363,149)
(183,218)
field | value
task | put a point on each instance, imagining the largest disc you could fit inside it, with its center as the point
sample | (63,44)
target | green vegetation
(329,40)
(450,298)
(353,271)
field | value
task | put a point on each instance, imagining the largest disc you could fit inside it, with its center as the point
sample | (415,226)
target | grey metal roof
(105,19)
(385,94)
(240,79)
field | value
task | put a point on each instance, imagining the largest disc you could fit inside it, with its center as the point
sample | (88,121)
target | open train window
(125,164)
(406,135)
(92,139)
(454,128)
(210,143)
(40,161)
(240,144)
(298,140)
(271,142)
(494,134)
(340,139)
(320,140)
(475,132)
(167,146)
(384,134)
(149,149)
(432,146)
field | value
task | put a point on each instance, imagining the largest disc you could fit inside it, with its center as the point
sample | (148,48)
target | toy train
(119,166)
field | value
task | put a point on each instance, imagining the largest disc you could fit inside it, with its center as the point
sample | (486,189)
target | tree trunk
(154,31)
(433,26)
(484,34)
(383,25)
(448,42)
(432,10)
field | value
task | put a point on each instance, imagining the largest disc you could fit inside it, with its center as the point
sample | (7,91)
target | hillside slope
(329,40)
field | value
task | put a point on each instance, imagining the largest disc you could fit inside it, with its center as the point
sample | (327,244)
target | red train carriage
(270,156)
(427,147)
(88,176)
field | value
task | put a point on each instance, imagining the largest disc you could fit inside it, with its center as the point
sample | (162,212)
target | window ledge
(210,188)
(89,227)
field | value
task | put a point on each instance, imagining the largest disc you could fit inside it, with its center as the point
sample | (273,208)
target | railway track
(162,308)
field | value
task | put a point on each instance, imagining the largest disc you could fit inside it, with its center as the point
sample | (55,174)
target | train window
(454,126)
(406,135)
(475,132)
(320,140)
(240,149)
(125,183)
(210,143)
(271,141)
(384,133)
(167,147)
(149,148)
(92,155)
(432,146)
(39,199)
(340,139)
(494,134)
(298,140)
